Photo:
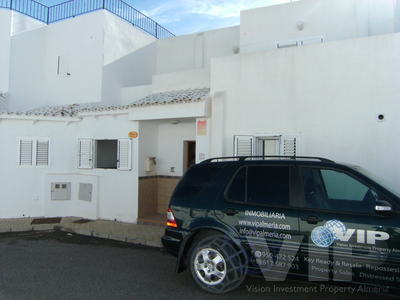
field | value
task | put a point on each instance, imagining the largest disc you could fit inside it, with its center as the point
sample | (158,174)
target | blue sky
(188,16)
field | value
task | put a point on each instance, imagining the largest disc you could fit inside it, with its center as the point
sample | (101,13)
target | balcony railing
(73,8)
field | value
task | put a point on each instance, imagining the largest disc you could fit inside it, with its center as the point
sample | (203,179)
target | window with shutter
(289,146)
(25,150)
(243,145)
(42,153)
(85,154)
(124,154)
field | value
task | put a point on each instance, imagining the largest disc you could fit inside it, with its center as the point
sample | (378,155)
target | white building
(100,119)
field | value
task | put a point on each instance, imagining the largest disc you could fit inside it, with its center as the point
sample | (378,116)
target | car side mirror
(382,206)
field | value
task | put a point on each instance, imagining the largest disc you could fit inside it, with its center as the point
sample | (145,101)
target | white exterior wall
(25,190)
(11,23)
(21,23)
(5,31)
(135,93)
(34,63)
(118,190)
(129,58)
(170,146)
(329,95)
(262,28)
(101,52)
(165,141)
(148,145)
(197,78)
(195,51)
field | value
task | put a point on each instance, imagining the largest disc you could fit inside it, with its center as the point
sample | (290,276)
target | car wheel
(217,265)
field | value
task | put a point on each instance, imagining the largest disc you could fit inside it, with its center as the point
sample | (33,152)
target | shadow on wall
(133,69)
(397,16)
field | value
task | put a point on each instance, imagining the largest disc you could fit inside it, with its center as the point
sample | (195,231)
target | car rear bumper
(172,240)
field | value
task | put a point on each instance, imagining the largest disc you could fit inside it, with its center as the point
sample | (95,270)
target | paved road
(60,266)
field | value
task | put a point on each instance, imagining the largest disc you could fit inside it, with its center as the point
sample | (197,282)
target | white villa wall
(133,70)
(135,93)
(101,52)
(21,23)
(34,63)
(163,140)
(329,94)
(5,30)
(24,189)
(262,28)
(148,145)
(11,23)
(170,146)
(129,58)
(118,190)
(27,72)
(197,78)
(195,51)
(121,38)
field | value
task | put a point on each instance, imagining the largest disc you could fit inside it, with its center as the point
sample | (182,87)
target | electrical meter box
(85,191)
(60,191)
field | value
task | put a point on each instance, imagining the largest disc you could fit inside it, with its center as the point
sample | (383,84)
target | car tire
(217,264)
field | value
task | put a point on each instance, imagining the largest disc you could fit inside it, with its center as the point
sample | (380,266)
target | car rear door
(345,238)
(257,207)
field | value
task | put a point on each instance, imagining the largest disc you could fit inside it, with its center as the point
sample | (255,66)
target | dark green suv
(306,217)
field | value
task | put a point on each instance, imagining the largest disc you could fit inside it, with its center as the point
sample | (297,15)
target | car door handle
(311,219)
(231,211)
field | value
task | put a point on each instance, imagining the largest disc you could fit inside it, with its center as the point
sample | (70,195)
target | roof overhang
(39,118)
(198,109)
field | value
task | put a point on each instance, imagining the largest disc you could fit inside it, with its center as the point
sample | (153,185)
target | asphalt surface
(56,265)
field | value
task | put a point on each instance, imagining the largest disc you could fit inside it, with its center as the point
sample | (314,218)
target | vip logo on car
(333,230)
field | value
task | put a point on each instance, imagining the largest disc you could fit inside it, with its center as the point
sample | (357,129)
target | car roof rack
(276,157)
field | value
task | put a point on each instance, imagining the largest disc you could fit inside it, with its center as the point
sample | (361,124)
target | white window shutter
(85,154)
(25,152)
(42,153)
(243,145)
(289,146)
(124,154)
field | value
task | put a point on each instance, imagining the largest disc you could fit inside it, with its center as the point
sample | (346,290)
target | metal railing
(73,8)
(30,8)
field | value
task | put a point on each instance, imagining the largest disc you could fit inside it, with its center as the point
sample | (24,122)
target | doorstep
(153,219)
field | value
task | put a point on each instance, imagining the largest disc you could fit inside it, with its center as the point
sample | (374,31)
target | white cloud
(227,9)
(174,10)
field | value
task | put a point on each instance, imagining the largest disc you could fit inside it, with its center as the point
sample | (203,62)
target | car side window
(335,190)
(340,186)
(237,188)
(268,185)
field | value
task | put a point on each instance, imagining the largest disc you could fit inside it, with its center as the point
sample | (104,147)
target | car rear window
(195,180)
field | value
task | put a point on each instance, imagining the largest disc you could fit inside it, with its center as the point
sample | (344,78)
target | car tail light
(171,222)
